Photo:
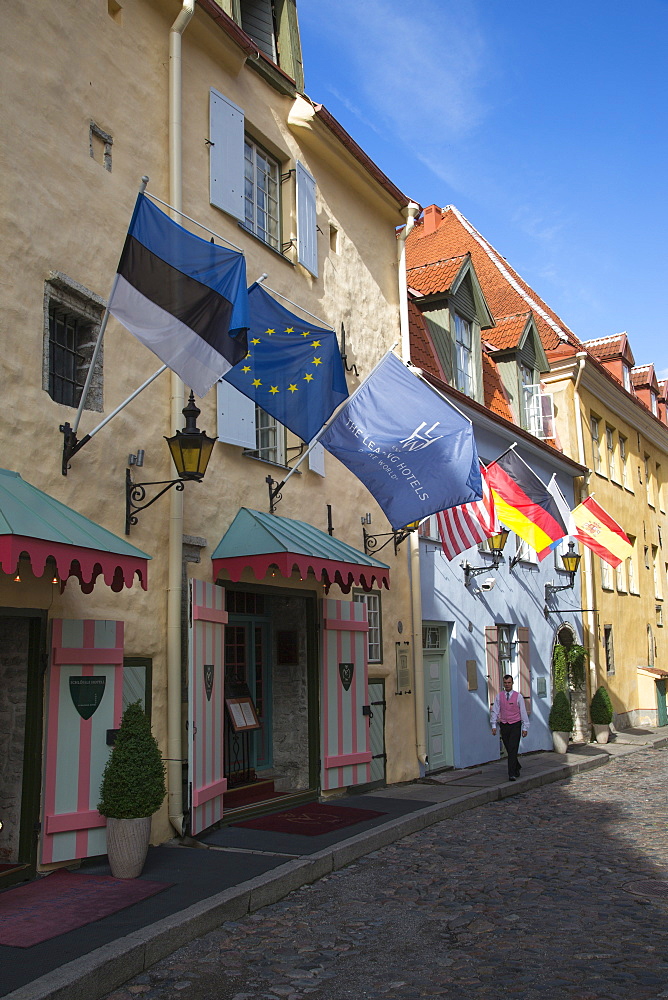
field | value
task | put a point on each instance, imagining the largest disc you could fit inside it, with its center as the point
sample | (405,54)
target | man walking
(510,712)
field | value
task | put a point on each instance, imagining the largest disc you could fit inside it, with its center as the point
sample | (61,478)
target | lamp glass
(191,453)
(497,542)
(571,560)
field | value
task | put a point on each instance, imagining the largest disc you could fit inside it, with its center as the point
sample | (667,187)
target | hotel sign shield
(86,693)
(346,671)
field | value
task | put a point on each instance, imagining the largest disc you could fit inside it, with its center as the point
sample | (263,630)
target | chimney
(431,219)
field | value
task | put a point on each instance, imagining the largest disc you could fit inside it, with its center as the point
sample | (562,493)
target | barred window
(72,316)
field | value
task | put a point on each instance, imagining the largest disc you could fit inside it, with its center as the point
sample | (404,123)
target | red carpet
(62,902)
(311,820)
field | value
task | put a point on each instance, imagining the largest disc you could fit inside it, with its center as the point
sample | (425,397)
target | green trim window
(262,176)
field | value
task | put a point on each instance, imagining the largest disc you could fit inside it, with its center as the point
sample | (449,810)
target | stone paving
(560,893)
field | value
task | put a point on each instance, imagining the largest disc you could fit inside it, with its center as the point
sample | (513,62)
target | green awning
(263,541)
(33,523)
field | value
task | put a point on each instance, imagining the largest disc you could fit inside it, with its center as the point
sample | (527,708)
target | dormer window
(626,375)
(464,353)
(257,20)
(655,410)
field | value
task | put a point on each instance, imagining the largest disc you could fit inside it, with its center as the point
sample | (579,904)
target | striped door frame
(76,748)
(345,749)
(206,713)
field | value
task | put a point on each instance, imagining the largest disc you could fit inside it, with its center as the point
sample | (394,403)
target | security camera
(489,583)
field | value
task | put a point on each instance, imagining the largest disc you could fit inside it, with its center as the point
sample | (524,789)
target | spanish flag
(524,503)
(601,533)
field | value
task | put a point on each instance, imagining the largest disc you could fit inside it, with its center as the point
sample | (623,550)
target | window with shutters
(595,425)
(464,355)
(373,610)
(245,182)
(270,445)
(72,317)
(623,456)
(610,449)
(507,648)
(606,574)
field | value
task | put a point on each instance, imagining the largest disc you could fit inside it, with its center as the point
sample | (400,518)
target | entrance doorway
(22,646)
(438,725)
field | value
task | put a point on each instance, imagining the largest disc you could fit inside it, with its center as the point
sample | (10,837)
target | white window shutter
(307,242)
(236,416)
(316,460)
(226,155)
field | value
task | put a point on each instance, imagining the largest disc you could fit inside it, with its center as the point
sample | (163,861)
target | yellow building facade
(96,97)
(608,427)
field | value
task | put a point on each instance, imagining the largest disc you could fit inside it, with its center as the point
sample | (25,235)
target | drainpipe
(175,552)
(588,562)
(411,212)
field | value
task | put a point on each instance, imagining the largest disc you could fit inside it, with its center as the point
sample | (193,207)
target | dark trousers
(510,735)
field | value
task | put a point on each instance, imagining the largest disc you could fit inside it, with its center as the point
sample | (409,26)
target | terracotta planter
(127,845)
(560,742)
(602,733)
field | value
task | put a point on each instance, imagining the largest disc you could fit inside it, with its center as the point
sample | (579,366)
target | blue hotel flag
(411,448)
(293,370)
(183,297)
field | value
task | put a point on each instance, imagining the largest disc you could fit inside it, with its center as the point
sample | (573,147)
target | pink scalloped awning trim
(73,560)
(344,574)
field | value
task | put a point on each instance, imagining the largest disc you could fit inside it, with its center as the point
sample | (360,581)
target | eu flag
(411,448)
(293,370)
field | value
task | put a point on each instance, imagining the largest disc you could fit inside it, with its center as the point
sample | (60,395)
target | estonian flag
(524,503)
(293,370)
(183,297)
(411,448)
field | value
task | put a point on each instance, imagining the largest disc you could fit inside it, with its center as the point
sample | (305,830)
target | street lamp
(571,561)
(496,544)
(190,449)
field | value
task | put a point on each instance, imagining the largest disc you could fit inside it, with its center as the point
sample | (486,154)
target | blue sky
(545,123)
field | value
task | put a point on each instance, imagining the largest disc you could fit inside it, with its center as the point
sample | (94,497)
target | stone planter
(602,733)
(127,845)
(560,742)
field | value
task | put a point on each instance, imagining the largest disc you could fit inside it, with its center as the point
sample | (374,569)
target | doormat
(311,820)
(64,901)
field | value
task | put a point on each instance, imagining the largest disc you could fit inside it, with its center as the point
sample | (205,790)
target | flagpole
(121,406)
(332,418)
(211,232)
(260,281)
(98,342)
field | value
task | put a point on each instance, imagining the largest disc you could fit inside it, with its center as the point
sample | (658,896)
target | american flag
(470,523)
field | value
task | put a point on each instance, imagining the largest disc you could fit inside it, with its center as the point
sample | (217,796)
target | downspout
(411,211)
(588,561)
(175,552)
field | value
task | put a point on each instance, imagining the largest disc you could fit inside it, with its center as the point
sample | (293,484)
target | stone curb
(108,967)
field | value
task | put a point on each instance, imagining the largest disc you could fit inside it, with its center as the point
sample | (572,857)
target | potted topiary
(601,715)
(560,721)
(133,788)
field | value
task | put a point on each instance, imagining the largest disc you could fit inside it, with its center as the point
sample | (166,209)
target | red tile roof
(642,375)
(437,277)
(508,331)
(506,292)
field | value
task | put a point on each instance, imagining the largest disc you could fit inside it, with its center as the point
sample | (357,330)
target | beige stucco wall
(629,614)
(62,66)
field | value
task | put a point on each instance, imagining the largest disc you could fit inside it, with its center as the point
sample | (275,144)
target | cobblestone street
(561,892)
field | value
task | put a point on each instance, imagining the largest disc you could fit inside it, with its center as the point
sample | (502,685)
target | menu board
(242,714)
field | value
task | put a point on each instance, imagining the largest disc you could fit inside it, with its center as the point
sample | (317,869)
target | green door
(662,710)
(438,727)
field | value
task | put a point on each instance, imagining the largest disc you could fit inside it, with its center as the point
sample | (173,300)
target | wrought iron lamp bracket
(371,541)
(135,494)
(470,571)
(275,495)
(550,588)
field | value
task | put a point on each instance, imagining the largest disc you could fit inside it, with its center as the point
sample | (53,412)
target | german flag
(524,503)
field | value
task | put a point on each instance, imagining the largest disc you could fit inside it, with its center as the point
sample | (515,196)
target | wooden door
(206,704)
(84,701)
(345,748)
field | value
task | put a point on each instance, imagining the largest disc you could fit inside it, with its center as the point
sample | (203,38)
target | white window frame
(270,443)
(658,594)
(648,483)
(262,194)
(595,427)
(620,578)
(374,616)
(610,448)
(465,380)
(623,460)
(524,552)
(626,377)
(606,575)
(631,573)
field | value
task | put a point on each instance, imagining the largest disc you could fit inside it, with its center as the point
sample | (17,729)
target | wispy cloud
(421,73)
